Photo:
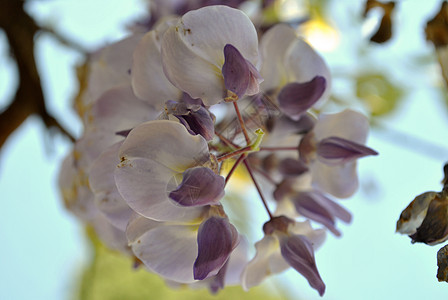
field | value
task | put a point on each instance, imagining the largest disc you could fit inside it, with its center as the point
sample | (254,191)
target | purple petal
(319,208)
(299,254)
(296,98)
(284,188)
(291,167)
(235,71)
(216,240)
(200,186)
(199,122)
(336,150)
(218,280)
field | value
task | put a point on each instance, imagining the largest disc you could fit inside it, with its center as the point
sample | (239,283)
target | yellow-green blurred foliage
(379,94)
(111,276)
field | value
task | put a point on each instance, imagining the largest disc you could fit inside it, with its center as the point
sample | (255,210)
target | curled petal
(296,98)
(216,240)
(200,186)
(299,254)
(336,150)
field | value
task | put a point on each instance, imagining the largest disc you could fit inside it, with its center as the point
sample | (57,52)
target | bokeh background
(45,253)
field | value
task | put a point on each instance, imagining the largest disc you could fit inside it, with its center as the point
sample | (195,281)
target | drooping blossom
(196,49)
(331,149)
(286,244)
(149,171)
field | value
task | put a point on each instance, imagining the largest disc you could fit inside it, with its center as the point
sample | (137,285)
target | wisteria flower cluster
(172,114)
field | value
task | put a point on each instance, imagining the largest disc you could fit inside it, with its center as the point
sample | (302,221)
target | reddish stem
(235,165)
(249,169)
(234,153)
(278,148)
(241,121)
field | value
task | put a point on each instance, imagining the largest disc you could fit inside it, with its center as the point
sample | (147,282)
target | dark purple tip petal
(299,254)
(217,282)
(296,98)
(235,71)
(319,208)
(291,167)
(216,240)
(123,133)
(283,189)
(200,186)
(199,122)
(336,150)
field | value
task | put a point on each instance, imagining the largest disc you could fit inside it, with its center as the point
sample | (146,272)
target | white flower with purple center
(211,54)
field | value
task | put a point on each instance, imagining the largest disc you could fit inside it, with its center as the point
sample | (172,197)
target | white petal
(148,80)
(347,124)
(138,226)
(210,28)
(169,250)
(237,261)
(340,181)
(193,51)
(167,143)
(273,47)
(315,236)
(190,72)
(110,67)
(102,182)
(258,268)
(118,109)
(113,237)
(143,183)
(303,64)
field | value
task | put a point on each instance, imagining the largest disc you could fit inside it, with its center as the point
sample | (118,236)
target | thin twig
(258,187)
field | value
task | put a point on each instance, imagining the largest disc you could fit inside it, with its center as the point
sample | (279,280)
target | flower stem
(234,153)
(278,148)
(226,141)
(249,169)
(241,121)
(235,165)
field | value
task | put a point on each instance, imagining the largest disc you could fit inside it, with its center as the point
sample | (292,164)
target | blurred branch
(29,99)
